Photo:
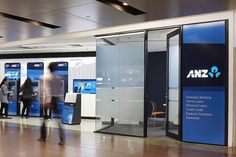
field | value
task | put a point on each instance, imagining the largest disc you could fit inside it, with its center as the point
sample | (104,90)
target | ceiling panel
(2,18)
(169,9)
(21,7)
(67,22)
(103,14)
(210,5)
(10,35)
(58,4)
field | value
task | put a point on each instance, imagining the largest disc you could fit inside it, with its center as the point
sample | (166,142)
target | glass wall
(173,83)
(120,84)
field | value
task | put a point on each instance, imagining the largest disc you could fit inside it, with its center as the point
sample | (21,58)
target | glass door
(173,85)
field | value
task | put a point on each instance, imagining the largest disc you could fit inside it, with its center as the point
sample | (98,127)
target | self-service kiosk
(34,71)
(35,104)
(12,73)
(61,70)
(72,109)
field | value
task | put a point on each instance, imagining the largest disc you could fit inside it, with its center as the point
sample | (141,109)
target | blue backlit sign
(204,66)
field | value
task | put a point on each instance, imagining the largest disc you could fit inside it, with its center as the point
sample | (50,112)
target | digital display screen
(84,86)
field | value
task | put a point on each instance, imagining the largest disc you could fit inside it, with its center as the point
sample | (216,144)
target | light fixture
(117,35)
(51,45)
(125,4)
(122,6)
(30,21)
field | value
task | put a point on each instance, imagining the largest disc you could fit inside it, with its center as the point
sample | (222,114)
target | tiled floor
(20,140)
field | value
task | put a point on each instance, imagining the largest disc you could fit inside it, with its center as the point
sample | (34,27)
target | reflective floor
(20,140)
(86,125)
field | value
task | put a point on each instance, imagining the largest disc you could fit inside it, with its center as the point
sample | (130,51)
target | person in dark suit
(27,93)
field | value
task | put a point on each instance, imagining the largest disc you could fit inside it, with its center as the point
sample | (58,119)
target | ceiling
(81,15)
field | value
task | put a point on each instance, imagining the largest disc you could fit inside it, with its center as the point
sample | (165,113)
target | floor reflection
(21,140)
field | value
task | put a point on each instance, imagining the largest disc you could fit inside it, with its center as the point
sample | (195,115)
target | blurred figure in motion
(51,91)
(4,92)
(27,94)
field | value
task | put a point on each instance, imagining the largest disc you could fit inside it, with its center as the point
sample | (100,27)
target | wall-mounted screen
(84,86)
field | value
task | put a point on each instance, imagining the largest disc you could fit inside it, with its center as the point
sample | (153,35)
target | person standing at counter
(27,93)
(4,97)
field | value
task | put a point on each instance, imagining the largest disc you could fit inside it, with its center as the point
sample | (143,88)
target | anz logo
(204,73)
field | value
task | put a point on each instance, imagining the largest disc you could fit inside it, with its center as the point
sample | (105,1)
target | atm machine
(13,107)
(34,71)
(12,73)
(72,109)
(35,105)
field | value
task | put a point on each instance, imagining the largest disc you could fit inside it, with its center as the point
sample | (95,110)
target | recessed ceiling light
(122,6)
(125,4)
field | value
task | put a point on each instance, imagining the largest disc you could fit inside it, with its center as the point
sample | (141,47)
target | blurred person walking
(51,92)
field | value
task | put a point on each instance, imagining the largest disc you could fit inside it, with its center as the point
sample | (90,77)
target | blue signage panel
(204,81)
(205,33)
(84,86)
(13,74)
(203,119)
(62,71)
(34,71)
(67,114)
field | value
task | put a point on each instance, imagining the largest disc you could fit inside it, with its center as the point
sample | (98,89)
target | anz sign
(204,73)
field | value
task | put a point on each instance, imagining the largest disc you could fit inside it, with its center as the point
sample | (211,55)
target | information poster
(84,86)
(13,74)
(35,70)
(62,71)
(204,82)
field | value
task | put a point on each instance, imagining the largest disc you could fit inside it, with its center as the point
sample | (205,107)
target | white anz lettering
(198,73)
(204,75)
(190,74)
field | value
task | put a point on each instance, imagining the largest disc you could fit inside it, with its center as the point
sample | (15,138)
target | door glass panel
(173,85)
(120,84)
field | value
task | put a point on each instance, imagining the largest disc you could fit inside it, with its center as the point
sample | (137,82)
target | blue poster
(84,86)
(34,71)
(13,74)
(62,71)
(204,81)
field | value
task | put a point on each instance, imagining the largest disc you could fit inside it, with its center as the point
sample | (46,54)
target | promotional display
(35,70)
(13,74)
(62,71)
(84,86)
(204,81)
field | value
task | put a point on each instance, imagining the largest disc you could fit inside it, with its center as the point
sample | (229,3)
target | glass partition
(120,84)
(173,101)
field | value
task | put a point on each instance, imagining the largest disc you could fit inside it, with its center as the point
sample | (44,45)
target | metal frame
(172,135)
(145,42)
